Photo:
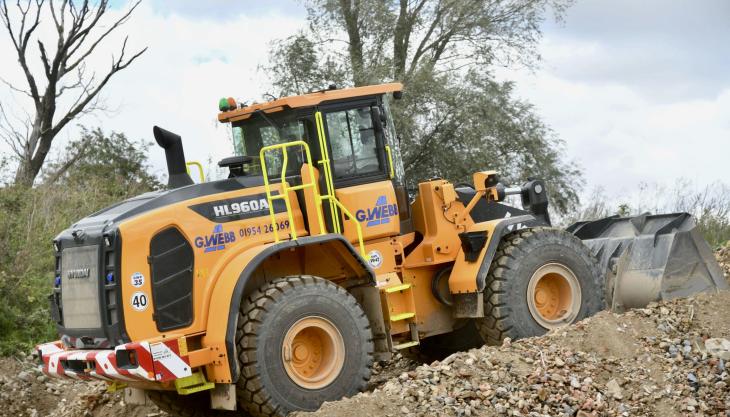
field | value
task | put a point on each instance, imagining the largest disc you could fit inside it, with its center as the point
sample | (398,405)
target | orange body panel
(463,275)
(374,206)
(435,220)
(138,231)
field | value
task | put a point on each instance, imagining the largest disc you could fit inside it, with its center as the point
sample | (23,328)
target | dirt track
(651,361)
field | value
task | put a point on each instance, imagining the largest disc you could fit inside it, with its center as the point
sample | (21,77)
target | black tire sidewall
(543,247)
(322,300)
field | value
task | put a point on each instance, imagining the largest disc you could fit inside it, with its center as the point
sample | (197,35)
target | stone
(614,390)
(718,348)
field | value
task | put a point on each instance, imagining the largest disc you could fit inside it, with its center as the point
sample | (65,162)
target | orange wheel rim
(313,352)
(553,295)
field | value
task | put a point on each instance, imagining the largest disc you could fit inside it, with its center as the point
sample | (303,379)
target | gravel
(669,359)
(663,360)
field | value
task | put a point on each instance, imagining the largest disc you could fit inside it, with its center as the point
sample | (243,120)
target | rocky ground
(664,360)
(669,359)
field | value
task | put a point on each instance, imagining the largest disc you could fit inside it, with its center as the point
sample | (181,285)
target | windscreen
(260,130)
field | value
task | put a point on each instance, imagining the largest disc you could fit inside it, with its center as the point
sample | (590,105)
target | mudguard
(469,275)
(236,282)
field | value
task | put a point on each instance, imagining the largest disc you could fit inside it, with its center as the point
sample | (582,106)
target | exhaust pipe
(176,169)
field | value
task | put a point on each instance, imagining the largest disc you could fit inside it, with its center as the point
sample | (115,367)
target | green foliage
(111,168)
(455,117)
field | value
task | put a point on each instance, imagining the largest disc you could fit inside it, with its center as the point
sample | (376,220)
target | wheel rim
(553,295)
(313,352)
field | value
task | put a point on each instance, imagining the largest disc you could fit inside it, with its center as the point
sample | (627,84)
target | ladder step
(406,345)
(396,288)
(192,384)
(402,316)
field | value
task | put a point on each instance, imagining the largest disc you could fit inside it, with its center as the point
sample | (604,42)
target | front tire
(540,279)
(301,341)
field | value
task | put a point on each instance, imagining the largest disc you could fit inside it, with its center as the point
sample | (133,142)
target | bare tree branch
(70,161)
(75,23)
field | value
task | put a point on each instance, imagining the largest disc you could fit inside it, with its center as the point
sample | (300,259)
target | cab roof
(306,100)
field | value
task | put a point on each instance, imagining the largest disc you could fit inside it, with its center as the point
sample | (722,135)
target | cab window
(354,145)
(253,134)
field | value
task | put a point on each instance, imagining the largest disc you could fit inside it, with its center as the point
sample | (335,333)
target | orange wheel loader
(275,289)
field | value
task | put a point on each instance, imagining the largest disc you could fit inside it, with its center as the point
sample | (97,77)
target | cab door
(361,169)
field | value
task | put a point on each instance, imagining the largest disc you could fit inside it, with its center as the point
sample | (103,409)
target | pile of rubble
(667,359)
(25,391)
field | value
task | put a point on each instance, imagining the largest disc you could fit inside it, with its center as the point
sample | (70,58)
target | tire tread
(498,321)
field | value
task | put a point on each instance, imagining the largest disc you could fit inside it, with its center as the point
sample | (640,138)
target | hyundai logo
(78,273)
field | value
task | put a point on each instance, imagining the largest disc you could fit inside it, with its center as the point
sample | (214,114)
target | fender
(469,276)
(235,281)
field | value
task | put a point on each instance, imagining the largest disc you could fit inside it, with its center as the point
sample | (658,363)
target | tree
(455,117)
(108,168)
(95,156)
(79,29)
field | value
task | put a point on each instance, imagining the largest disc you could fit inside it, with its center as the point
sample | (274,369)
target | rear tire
(540,278)
(301,341)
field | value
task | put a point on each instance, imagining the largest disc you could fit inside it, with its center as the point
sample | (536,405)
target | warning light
(226,104)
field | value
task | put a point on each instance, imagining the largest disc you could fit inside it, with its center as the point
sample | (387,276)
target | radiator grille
(80,287)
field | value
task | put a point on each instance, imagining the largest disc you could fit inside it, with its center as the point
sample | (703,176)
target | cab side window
(354,146)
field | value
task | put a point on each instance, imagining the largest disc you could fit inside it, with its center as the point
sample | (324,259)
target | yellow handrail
(325,162)
(319,199)
(197,165)
(349,215)
(390,161)
(285,188)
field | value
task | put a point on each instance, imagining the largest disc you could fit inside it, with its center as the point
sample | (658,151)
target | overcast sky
(638,90)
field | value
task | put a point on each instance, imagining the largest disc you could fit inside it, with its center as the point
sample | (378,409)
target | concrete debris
(718,348)
(651,361)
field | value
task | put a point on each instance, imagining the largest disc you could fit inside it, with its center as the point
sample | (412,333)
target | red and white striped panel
(168,363)
(103,363)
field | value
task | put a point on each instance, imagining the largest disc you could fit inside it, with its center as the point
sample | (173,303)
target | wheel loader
(276,289)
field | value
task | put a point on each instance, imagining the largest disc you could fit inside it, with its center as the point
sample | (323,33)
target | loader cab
(354,134)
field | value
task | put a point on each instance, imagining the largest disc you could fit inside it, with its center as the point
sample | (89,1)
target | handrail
(197,165)
(327,171)
(390,161)
(349,215)
(319,199)
(285,188)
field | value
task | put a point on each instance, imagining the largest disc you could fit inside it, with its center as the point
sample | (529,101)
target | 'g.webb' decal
(246,207)
(215,241)
(379,214)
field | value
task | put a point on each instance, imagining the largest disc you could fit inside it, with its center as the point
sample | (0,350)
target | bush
(111,168)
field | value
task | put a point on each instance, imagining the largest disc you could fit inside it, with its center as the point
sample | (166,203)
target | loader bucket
(650,258)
